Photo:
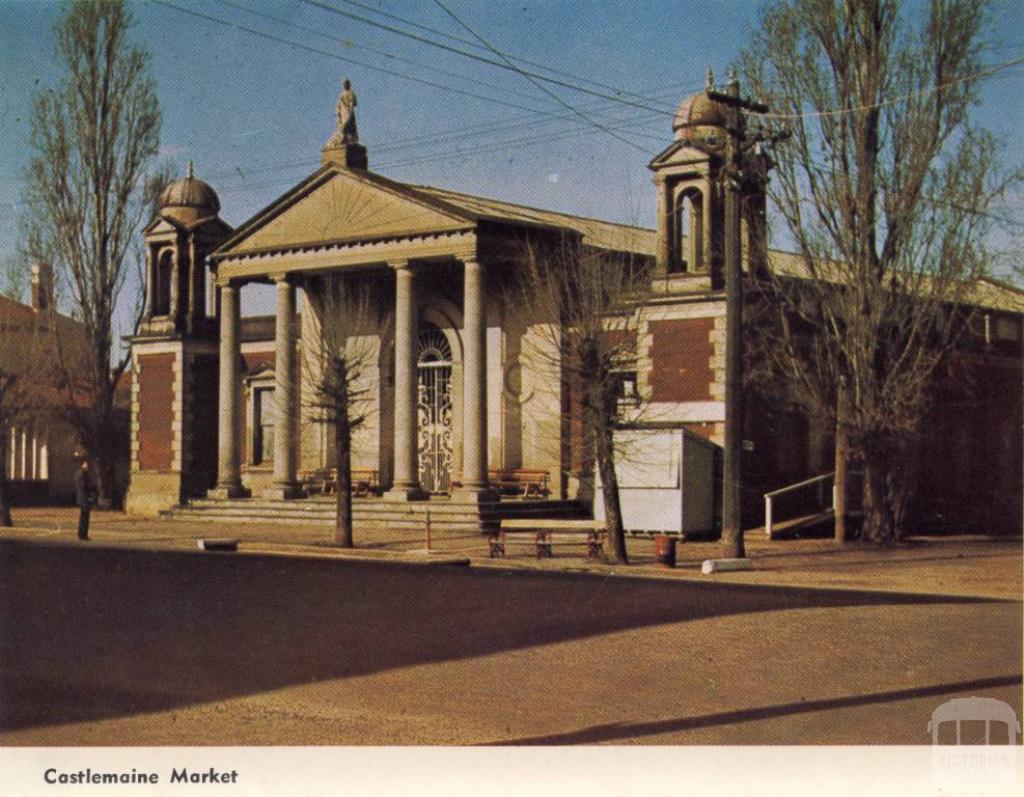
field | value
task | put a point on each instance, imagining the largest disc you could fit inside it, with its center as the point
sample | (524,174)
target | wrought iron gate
(434,408)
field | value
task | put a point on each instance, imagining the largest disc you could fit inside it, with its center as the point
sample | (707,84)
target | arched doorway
(434,407)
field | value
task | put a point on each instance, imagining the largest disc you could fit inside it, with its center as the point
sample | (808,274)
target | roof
(457,208)
(595,232)
(450,209)
(986,292)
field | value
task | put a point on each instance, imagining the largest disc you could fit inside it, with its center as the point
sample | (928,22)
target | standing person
(85,497)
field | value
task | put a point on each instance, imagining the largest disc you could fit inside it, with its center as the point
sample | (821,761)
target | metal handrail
(804,483)
(789,488)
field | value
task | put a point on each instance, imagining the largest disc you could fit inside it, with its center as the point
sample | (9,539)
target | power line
(471,43)
(372,67)
(375,51)
(979,75)
(482,59)
(536,82)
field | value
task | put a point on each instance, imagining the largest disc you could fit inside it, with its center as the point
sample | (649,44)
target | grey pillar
(286,409)
(406,485)
(666,225)
(474,383)
(229,482)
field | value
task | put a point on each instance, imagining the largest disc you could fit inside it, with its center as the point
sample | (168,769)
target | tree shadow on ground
(618,731)
(89,633)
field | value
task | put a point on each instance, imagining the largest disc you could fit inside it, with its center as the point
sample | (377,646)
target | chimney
(42,287)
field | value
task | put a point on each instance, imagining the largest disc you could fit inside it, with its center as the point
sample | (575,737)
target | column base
(406,493)
(283,492)
(478,495)
(225,492)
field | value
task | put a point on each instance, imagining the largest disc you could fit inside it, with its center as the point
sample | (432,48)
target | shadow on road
(632,730)
(89,633)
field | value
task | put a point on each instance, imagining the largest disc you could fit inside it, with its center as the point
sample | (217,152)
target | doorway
(434,409)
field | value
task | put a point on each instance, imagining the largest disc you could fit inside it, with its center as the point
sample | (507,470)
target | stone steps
(373,513)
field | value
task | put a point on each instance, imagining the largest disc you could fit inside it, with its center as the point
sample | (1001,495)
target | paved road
(108,646)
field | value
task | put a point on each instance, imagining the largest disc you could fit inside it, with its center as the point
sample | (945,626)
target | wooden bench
(519,481)
(544,535)
(365,481)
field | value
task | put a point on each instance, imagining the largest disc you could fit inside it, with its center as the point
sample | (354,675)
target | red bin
(665,550)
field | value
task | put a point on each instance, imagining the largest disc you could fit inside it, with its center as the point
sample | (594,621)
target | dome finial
(191,170)
(709,80)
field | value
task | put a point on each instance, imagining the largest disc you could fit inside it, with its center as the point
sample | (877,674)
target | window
(263,425)
(162,284)
(626,388)
(690,226)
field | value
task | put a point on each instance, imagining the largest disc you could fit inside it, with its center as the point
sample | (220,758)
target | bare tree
(885,185)
(589,304)
(14,279)
(335,363)
(95,136)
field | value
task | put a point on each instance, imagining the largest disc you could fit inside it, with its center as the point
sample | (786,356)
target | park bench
(365,481)
(545,535)
(519,481)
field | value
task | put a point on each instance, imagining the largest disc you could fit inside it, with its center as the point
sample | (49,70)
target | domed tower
(175,353)
(691,202)
(179,294)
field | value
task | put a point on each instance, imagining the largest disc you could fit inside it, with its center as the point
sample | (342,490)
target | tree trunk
(840,488)
(842,458)
(5,487)
(878,520)
(106,477)
(343,484)
(610,497)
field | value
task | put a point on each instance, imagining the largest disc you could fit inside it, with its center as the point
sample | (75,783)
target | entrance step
(373,513)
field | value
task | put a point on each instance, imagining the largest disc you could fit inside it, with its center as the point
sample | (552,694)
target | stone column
(175,283)
(229,481)
(474,383)
(286,409)
(150,281)
(666,224)
(406,484)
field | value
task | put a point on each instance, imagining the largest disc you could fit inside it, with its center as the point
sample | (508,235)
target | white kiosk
(666,482)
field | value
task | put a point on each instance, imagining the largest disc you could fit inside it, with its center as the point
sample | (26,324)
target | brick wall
(681,359)
(156,411)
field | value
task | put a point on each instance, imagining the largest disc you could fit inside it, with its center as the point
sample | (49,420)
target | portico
(447,242)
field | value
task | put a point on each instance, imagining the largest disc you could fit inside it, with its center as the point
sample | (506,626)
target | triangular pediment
(160,226)
(679,154)
(343,205)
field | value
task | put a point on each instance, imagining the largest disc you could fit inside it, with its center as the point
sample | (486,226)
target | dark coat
(85,490)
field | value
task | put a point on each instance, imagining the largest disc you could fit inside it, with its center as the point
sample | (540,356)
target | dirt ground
(948,565)
(139,638)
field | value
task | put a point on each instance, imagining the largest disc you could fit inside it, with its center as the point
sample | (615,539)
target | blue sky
(253,112)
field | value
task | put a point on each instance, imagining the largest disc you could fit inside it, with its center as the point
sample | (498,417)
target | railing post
(768,516)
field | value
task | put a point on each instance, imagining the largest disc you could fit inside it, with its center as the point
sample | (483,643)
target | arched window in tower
(690,224)
(162,283)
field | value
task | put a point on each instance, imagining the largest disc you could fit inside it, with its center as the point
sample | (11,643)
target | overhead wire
(382,53)
(517,58)
(500,64)
(536,82)
(336,56)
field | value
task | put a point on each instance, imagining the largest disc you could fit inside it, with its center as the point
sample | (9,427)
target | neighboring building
(39,449)
(455,381)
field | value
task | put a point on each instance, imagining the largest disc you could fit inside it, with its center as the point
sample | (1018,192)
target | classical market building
(220,403)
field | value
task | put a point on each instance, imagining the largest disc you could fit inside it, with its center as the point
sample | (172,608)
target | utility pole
(733,174)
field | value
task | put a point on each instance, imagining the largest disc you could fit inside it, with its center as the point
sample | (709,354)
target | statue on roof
(346,132)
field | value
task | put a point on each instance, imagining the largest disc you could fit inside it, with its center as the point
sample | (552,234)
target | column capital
(224,281)
(399,265)
(466,253)
(283,276)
